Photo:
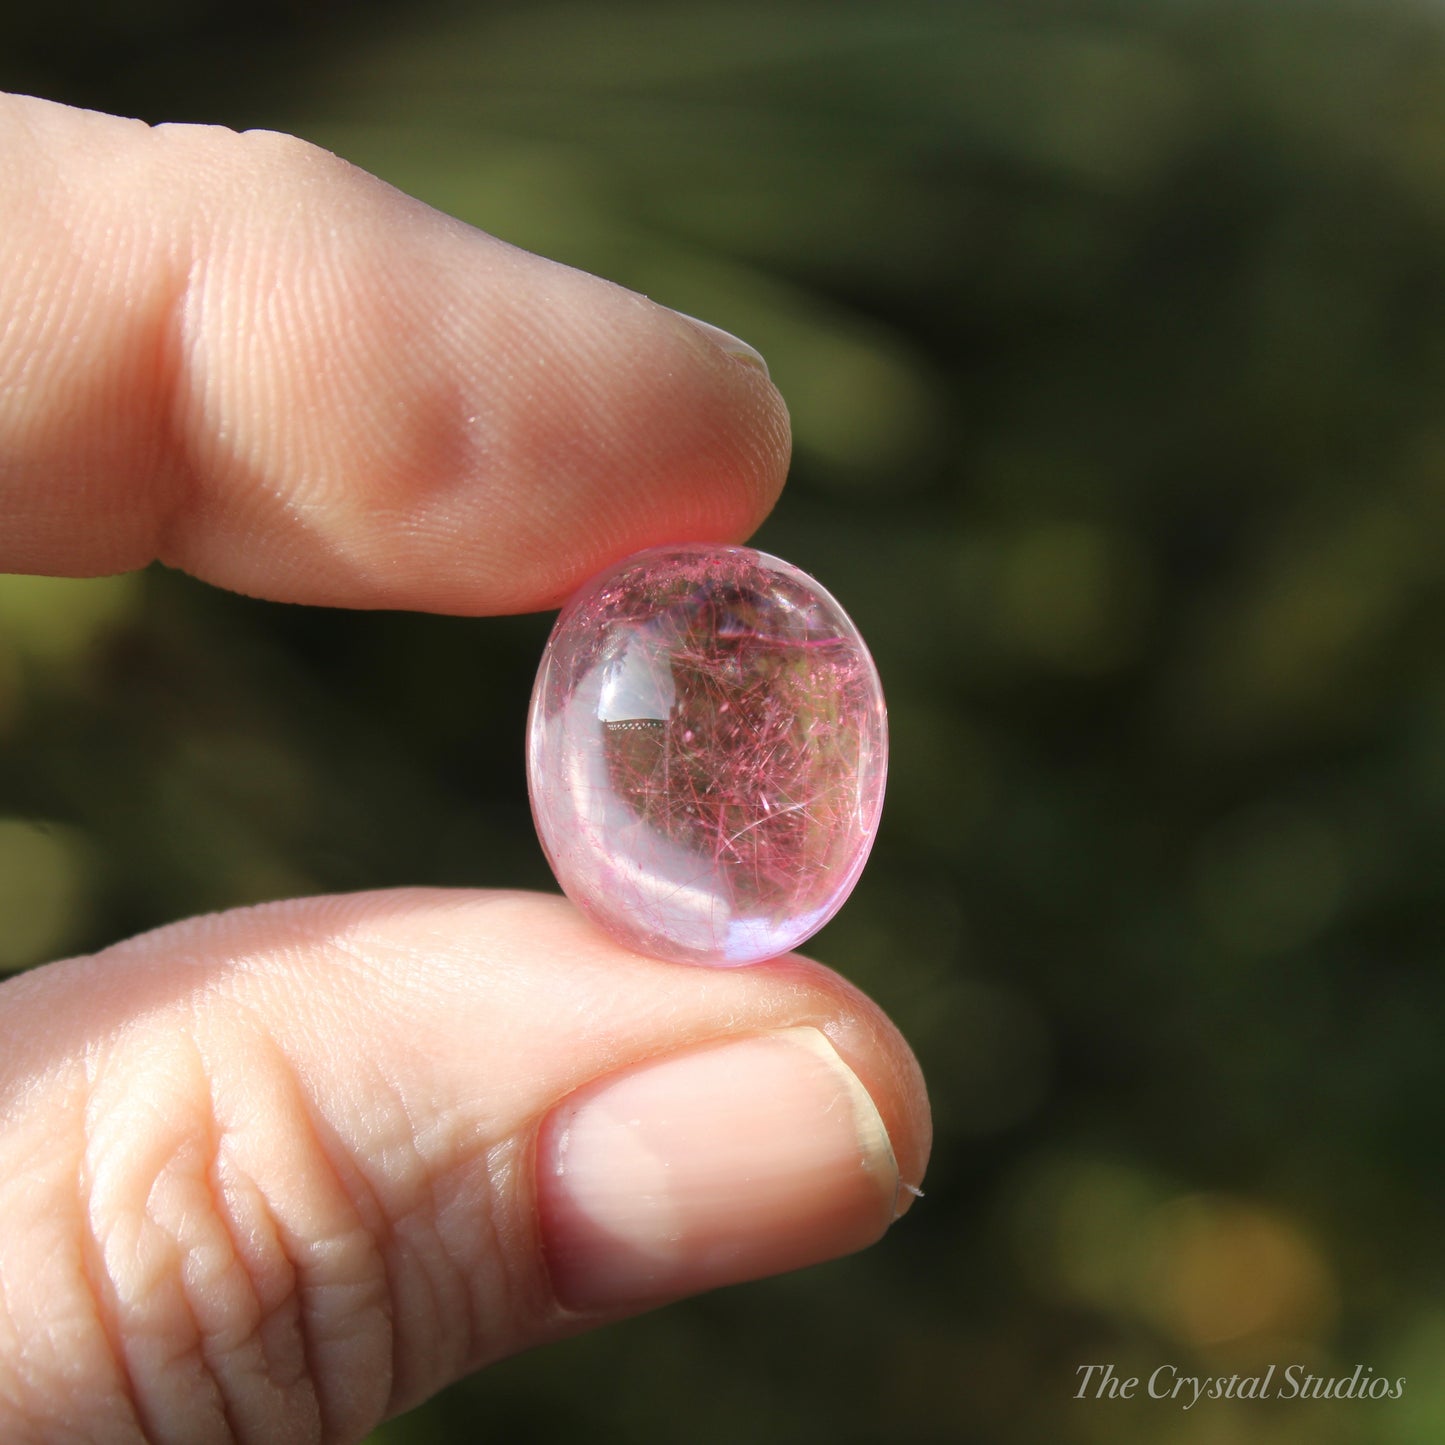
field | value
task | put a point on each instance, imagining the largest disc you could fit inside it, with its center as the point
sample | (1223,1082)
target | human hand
(277,1174)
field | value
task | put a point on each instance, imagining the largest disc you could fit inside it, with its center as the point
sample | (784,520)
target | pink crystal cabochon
(706,753)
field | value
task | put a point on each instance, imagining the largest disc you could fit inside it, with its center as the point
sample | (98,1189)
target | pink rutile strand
(707,751)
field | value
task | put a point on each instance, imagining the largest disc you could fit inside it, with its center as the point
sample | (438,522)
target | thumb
(278,1174)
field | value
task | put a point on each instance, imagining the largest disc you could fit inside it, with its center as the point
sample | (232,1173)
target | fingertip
(870,1043)
(747,1157)
(466,1124)
(339,396)
(692,443)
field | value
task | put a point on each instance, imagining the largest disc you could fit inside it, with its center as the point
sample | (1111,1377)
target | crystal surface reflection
(707,752)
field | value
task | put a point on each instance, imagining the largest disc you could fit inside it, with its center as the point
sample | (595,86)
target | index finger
(244,357)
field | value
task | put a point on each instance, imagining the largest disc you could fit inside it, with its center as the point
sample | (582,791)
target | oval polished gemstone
(707,751)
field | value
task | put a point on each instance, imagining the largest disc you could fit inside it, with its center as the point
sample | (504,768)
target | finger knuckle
(243,1295)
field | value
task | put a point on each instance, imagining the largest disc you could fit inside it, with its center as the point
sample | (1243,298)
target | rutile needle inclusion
(707,751)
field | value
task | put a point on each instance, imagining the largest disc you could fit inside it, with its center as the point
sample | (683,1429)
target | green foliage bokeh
(1114,335)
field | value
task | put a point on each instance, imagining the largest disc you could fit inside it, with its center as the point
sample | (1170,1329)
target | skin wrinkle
(206,311)
(403,1351)
(14,1393)
(209,1124)
(178,1163)
(174,369)
(290,1310)
(204,1127)
(493,1312)
(379,965)
(474,1330)
(226,1206)
(386,1231)
(92,1071)
(329,1407)
(479,1021)
(230,1412)
(90,1272)
(316,389)
(309,1331)
(99,1287)
(484,1311)
(429,1217)
(158,464)
(422,979)
(500,1296)
(127,396)
(358,1164)
(314,483)
(20,1388)
(232,1182)
(243,1422)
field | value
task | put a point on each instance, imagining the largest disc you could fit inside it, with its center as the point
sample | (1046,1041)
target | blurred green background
(1114,334)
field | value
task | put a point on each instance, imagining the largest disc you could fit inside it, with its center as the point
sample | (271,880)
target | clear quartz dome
(707,751)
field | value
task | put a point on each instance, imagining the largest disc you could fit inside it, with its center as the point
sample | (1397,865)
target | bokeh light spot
(56,618)
(1077,1222)
(1073,596)
(1223,1268)
(43,873)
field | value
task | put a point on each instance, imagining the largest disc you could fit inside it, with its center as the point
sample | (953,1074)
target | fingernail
(722,1164)
(733,345)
